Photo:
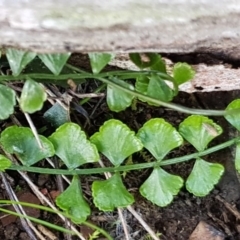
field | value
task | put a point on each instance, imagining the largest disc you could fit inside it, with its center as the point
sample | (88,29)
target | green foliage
(199,131)
(32,97)
(237,157)
(233,113)
(159,64)
(111,193)
(37,66)
(142,86)
(57,115)
(154,86)
(7,100)
(115,140)
(72,147)
(182,73)
(99,61)
(159,137)
(55,62)
(5,163)
(21,142)
(18,59)
(148,60)
(95,235)
(160,187)
(73,202)
(157,88)
(117,99)
(203,177)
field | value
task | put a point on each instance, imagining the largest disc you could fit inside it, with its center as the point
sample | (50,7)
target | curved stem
(166,104)
(123,75)
(47,224)
(127,167)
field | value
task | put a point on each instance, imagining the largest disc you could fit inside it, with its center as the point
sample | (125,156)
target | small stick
(63,176)
(232,209)
(33,128)
(51,94)
(86,95)
(142,222)
(47,232)
(26,223)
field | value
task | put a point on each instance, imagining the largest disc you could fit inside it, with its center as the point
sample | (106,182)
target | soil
(180,218)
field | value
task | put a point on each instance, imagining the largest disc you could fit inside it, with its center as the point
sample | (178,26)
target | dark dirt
(179,219)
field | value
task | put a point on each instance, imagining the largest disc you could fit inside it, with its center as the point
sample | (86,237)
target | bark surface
(121,26)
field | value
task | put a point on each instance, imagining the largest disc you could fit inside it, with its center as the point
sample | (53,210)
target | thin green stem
(132,74)
(201,154)
(44,208)
(127,167)
(166,104)
(32,205)
(47,224)
(123,75)
(80,75)
(63,77)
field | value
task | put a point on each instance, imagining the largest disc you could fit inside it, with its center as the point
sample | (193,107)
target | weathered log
(121,26)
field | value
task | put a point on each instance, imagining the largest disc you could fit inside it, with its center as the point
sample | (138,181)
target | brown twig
(87,95)
(228,206)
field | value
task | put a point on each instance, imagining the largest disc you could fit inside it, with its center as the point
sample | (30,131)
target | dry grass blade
(134,213)
(46,232)
(33,128)
(52,164)
(87,95)
(51,94)
(228,206)
(142,222)
(26,223)
(43,199)
(122,219)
